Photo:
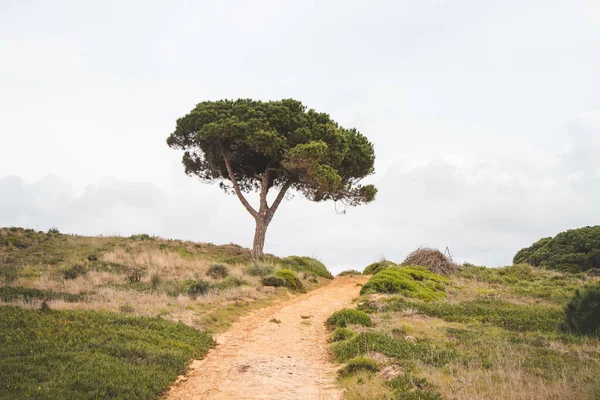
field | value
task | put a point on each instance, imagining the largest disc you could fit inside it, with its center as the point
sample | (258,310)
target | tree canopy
(250,145)
(570,251)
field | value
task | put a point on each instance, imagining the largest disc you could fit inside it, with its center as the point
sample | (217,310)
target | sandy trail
(259,359)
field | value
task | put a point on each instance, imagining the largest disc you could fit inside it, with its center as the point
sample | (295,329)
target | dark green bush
(349,316)
(582,314)
(92,355)
(574,250)
(74,271)
(273,281)
(306,264)
(374,268)
(358,364)
(258,269)
(291,280)
(198,288)
(155,282)
(416,282)
(340,334)
(217,271)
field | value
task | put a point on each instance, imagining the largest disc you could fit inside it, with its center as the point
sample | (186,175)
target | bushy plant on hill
(217,271)
(291,280)
(574,250)
(306,264)
(414,281)
(582,314)
(349,316)
(374,268)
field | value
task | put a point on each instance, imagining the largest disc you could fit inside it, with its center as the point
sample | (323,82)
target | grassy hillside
(113,317)
(491,333)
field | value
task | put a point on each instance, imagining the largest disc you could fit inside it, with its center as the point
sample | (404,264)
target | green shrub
(231,282)
(350,272)
(306,264)
(431,353)
(415,282)
(92,355)
(217,271)
(291,280)
(496,312)
(570,251)
(358,364)
(582,314)
(349,316)
(198,288)
(374,268)
(273,281)
(74,271)
(258,269)
(13,293)
(410,387)
(340,334)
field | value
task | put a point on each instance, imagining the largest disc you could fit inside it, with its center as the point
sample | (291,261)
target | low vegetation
(411,281)
(374,268)
(574,250)
(88,354)
(349,316)
(177,283)
(432,259)
(507,333)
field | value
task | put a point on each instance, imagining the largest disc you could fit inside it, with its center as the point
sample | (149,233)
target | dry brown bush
(432,259)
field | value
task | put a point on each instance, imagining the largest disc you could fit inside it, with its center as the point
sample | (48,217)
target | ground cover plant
(88,354)
(496,333)
(411,281)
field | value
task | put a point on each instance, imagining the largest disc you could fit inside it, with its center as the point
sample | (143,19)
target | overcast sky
(485,117)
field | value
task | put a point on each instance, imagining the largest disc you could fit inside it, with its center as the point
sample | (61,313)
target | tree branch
(236,187)
(279,198)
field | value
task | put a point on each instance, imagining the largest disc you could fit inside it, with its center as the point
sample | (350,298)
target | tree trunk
(259,237)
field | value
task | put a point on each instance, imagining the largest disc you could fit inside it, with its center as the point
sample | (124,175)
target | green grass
(429,352)
(341,334)
(489,311)
(92,355)
(349,316)
(306,264)
(375,267)
(16,293)
(358,364)
(417,282)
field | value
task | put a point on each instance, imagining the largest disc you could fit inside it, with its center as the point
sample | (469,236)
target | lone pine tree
(250,145)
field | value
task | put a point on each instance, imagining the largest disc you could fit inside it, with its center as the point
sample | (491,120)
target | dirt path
(259,359)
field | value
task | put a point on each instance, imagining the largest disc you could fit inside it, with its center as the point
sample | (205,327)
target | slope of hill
(94,317)
(491,334)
